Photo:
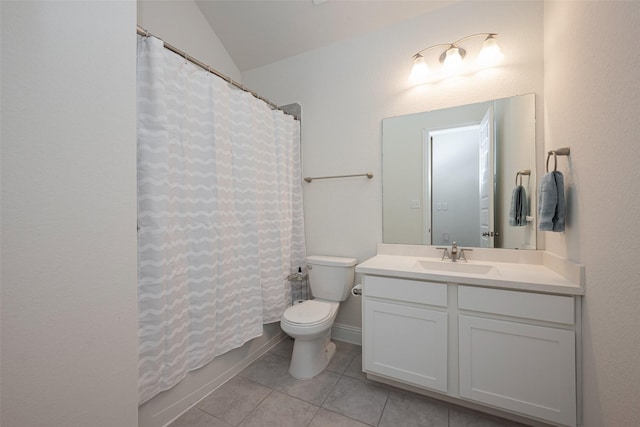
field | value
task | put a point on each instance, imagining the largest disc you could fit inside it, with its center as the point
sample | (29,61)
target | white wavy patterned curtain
(219,216)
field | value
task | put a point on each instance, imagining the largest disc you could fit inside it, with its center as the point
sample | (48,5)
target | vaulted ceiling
(260,32)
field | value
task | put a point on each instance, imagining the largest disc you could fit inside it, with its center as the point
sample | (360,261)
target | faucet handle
(462,250)
(445,253)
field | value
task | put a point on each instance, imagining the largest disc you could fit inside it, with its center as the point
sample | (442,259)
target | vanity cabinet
(508,349)
(406,333)
(518,365)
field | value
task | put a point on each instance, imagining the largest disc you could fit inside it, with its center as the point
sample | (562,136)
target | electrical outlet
(415,204)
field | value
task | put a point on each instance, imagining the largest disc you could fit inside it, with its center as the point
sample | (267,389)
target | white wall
(592,105)
(181,24)
(69,323)
(348,88)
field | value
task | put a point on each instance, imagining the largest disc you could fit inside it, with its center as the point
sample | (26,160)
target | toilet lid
(308,312)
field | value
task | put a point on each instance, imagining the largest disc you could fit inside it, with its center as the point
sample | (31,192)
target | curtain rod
(142,32)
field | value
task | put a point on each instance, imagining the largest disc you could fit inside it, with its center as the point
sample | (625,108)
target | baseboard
(347,333)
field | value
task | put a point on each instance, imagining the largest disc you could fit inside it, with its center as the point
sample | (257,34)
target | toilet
(309,322)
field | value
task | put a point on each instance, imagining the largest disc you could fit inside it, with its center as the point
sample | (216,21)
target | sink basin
(455,267)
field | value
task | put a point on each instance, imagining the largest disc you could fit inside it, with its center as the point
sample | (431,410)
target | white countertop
(536,271)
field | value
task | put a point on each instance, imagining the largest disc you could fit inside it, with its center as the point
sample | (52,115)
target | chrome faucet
(455,254)
(454,251)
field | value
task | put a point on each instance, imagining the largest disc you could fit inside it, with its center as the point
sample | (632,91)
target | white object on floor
(309,323)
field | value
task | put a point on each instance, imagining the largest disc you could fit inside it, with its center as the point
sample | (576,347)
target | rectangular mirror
(449,175)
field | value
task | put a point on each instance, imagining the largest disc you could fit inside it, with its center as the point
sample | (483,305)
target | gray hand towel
(551,204)
(558,218)
(519,209)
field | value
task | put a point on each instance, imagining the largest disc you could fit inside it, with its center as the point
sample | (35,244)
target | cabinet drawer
(549,308)
(406,290)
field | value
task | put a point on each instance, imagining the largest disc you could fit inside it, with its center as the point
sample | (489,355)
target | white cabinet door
(519,367)
(406,343)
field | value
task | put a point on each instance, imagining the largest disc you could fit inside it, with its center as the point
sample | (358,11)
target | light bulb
(452,61)
(420,70)
(490,53)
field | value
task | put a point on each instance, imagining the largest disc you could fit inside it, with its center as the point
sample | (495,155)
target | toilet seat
(308,313)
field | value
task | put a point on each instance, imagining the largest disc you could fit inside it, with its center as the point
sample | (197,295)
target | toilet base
(310,357)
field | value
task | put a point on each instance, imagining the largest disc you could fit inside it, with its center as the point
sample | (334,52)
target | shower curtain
(220,221)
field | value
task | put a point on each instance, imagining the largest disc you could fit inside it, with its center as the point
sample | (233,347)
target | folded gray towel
(551,204)
(519,207)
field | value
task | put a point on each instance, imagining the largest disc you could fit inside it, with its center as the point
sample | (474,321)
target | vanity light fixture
(453,55)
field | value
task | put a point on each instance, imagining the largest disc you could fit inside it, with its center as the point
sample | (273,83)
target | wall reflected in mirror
(448,175)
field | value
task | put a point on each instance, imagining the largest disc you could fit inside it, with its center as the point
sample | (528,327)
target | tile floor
(264,394)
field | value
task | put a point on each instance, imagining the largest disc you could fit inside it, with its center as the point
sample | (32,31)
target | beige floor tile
(363,401)
(412,410)
(345,353)
(280,410)
(326,418)
(314,390)
(194,417)
(460,417)
(354,370)
(284,348)
(269,370)
(234,400)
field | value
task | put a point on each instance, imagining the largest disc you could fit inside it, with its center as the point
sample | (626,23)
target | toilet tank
(331,278)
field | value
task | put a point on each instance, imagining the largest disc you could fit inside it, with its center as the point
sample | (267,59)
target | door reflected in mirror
(448,175)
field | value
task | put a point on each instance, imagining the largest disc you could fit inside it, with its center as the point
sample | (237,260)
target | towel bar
(368,175)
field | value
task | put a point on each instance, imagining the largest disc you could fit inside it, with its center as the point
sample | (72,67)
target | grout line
(383,408)
(331,391)
(314,416)
(348,417)
(211,415)
(256,407)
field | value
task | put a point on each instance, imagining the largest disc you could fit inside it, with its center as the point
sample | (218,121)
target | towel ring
(520,173)
(557,152)
(555,160)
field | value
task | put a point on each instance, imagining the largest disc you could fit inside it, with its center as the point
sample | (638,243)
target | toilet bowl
(309,323)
